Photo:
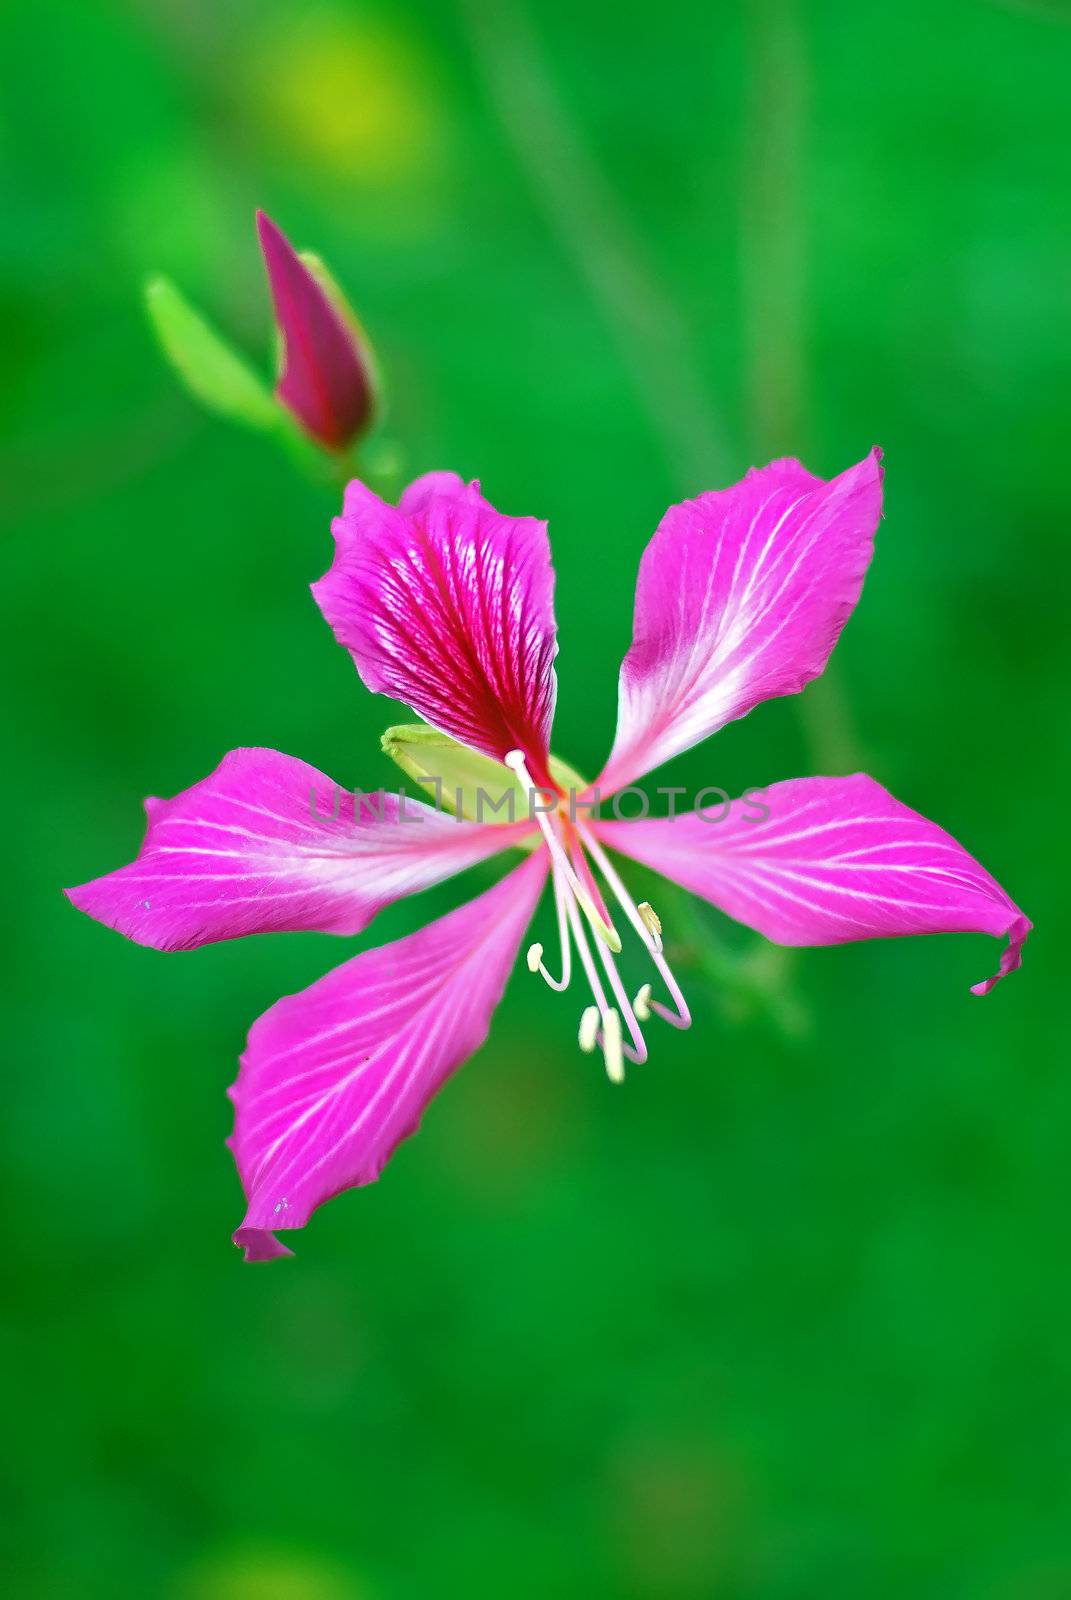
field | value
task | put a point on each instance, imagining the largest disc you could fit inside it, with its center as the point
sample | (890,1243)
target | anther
(587,1038)
(642,1004)
(611,1047)
(651,921)
(535,957)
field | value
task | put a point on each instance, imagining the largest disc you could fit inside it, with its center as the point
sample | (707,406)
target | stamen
(611,1047)
(637,1051)
(535,952)
(588,1036)
(651,921)
(682,1018)
(605,930)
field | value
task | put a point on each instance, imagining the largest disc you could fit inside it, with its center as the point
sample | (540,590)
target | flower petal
(825,860)
(268,844)
(440,486)
(335,1077)
(446,604)
(328,374)
(741,596)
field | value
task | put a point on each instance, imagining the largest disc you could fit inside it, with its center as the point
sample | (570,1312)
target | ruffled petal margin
(448,606)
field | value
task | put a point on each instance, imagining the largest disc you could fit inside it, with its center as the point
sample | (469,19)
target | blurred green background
(788,1316)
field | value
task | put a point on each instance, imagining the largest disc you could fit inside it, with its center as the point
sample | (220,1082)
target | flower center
(578,900)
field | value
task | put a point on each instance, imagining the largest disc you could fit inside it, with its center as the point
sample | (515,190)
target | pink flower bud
(328,378)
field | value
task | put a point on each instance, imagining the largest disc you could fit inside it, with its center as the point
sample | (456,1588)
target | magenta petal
(448,605)
(439,486)
(741,596)
(326,380)
(834,859)
(333,1078)
(268,844)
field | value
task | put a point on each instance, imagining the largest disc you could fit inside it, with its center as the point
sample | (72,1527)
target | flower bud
(328,379)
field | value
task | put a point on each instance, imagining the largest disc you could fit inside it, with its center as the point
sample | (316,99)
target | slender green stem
(579,203)
(774,280)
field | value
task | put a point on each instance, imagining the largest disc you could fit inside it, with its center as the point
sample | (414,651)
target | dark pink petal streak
(447,605)
(836,859)
(333,1078)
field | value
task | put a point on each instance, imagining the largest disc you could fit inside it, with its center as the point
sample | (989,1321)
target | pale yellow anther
(642,1004)
(535,957)
(612,1052)
(589,1028)
(651,921)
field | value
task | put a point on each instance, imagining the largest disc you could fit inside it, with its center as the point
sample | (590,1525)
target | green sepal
(213,372)
(462,780)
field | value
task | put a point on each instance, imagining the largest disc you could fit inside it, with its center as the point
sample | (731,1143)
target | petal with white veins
(267,843)
(333,1078)
(741,596)
(831,860)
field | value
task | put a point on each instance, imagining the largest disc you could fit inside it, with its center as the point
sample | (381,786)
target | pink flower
(328,378)
(446,604)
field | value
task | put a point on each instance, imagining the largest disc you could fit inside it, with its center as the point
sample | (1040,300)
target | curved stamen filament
(649,929)
(637,1051)
(576,891)
(605,930)
(535,951)
(607,1037)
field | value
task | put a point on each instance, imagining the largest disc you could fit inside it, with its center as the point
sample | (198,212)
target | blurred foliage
(787,1317)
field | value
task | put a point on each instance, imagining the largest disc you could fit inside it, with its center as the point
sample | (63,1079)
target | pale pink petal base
(267,843)
(741,596)
(333,1078)
(835,859)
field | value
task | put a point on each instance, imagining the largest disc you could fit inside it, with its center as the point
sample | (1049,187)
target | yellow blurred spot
(258,1573)
(351,96)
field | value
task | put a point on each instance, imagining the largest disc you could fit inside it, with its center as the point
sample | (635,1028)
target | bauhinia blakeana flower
(447,604)
(328,379)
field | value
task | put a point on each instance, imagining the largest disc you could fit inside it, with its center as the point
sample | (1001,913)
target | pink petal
(834,859)
(326,380)
(446,604)
(742,594)
(333,1078)
(439,486)
(242,852)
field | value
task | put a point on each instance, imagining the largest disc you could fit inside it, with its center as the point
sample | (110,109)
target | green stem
(580,205)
